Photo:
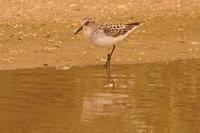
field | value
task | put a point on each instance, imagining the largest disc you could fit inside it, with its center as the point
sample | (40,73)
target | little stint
(105,34)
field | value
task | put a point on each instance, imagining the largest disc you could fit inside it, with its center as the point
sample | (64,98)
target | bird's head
(85,22)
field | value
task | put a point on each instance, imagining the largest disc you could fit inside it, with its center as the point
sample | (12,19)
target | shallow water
(143,98)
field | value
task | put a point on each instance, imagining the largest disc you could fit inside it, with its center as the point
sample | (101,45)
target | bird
(105,34)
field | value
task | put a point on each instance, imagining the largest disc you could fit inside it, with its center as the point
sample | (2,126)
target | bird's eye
(87,23)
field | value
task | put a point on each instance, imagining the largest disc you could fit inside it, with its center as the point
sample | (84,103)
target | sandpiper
(105,34)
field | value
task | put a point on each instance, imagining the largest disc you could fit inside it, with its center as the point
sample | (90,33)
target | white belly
(108,41)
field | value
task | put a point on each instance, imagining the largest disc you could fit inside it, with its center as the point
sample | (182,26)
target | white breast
(87,33)
(108,41)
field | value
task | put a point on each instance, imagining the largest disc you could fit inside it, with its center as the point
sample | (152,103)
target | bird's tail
(134,25)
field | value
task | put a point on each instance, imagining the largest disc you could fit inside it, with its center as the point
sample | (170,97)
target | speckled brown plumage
(115,30)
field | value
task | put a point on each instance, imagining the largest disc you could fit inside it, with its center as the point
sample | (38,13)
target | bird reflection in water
(104,101)
(110,81)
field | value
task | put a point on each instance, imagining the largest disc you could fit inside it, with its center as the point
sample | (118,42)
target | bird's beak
(79,29)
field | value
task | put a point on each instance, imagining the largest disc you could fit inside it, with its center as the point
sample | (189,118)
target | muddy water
(144,98)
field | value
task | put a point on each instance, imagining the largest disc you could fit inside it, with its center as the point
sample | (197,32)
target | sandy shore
(39,33)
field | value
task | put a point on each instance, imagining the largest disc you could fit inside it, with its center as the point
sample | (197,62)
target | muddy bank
(40,34)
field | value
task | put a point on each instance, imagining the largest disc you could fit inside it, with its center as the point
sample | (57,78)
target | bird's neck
(88,30)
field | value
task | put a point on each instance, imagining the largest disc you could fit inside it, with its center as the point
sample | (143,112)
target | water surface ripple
(143,98)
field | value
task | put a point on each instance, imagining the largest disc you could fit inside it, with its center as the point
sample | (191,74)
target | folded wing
(115,30)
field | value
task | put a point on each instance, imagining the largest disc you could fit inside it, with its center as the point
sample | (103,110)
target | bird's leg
(107,65)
